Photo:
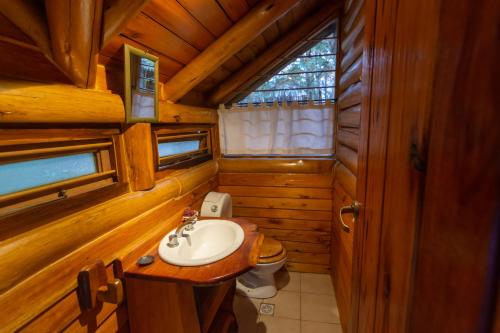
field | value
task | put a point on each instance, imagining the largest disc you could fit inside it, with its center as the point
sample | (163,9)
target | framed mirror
(141,85)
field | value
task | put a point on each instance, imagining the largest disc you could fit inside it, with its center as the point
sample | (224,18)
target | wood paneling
(289,200)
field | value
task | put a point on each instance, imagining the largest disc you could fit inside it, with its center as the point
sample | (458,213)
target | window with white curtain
(278,130)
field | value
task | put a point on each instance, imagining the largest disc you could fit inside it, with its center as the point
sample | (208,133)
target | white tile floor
(305,303)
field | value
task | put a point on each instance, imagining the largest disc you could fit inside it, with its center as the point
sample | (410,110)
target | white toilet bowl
(260,282)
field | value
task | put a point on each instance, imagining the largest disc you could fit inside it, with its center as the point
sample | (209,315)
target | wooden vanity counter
(240,261)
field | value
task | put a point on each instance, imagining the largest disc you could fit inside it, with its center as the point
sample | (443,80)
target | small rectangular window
(180,149)
(32,173)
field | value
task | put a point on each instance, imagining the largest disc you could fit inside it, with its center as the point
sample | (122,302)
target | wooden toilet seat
(272,251)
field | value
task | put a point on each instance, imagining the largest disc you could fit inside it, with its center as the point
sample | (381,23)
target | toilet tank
(217,204)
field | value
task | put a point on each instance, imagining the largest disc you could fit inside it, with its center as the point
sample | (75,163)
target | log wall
(290,200)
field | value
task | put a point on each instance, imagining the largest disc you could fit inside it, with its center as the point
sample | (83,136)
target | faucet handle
(173,240)
(188,212)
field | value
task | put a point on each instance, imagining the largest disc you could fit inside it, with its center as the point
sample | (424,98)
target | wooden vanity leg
(159,306)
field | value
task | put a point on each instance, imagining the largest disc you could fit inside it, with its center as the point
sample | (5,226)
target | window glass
(177,147)
(18,176)
(307,77)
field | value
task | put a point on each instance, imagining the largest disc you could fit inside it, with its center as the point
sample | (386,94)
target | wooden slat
(346,178)
(174,17)
(290,41)
(235,9)
(279,165)
(289,224)
(308,268)
(282,203)
(209,13)
(350,17)
(351,96)
(348,157)
(276,192)
(350,117)
(283,213)
(271,179)
(348,137)
(117,16)
(298,235)
(146,31)
(306,247)
(309,258)
(352,75)
(257,20)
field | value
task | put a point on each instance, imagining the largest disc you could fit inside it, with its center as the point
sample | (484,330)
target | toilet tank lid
(270,248)
(216,197)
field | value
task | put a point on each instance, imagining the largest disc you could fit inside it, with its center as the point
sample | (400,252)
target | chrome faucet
(189,219)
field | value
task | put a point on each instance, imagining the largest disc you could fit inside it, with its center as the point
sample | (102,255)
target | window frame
(26,145)
(163,134)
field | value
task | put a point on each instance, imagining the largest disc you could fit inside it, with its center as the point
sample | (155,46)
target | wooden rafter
(269,59)
(238,36)
(117,16)
(75,29)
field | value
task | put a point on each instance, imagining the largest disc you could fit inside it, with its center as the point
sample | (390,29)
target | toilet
(259,282)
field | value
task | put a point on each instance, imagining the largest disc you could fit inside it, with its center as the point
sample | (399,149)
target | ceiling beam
(75,31)
(117,16)
(269,58)
(26,15)
(265,13)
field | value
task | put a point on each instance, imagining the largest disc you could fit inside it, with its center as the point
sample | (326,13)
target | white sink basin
(211,240)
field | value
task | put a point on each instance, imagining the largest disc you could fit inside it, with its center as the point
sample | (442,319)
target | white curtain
(289,129)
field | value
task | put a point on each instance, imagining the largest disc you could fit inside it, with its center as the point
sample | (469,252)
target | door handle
(354,210)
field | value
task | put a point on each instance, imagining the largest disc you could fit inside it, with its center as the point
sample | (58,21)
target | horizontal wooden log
(308,268)
(283,213)
(282,203)
(350,97)
(298,235)
(354,34)
(346,178)
(289,224)
(290,41)
(348,137)
(350,117)
(264,14)
(277,192)
(306,247)
(352,55)
(178,113)
(119,243)
(348,157)
(352,75)
(272,179)
(280,165)
(309,258)
(23,256)
(30,102)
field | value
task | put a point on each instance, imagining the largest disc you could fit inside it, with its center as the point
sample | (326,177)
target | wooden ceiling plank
(250,26)
(235,9)
(290,41)
(208,13)
(148,32)
(117,16)
(271,34)
(9,30)
(75,31)
(26,15)
(174,17)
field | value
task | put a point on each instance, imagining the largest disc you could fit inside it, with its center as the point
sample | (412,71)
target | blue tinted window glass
(179,147)
(20,176)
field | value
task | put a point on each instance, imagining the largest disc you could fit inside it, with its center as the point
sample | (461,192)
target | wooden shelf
(239,262)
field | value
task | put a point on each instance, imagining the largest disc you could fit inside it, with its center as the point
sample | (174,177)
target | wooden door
(424,255)
(348,144)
